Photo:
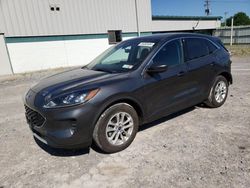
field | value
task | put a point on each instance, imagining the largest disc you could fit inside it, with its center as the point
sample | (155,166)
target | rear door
(200,61)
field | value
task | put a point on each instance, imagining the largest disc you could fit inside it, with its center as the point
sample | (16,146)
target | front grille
(33,117)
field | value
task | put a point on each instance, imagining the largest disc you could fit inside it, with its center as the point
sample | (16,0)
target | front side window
(170,54)
(123,57)
(195,48)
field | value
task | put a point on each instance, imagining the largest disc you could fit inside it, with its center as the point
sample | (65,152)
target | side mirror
(157,69)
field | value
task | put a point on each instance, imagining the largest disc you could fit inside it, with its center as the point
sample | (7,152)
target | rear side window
(195,48)
(170,54)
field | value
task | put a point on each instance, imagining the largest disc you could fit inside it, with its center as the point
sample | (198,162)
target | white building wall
(34,17)
(182,25)
(34,56)
(5,66)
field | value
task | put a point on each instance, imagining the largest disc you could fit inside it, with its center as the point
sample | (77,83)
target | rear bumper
(68,128)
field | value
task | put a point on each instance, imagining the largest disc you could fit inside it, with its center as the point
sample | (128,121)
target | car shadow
(61,152)
(96,148)
(166,118)
(77,152)
(153,123)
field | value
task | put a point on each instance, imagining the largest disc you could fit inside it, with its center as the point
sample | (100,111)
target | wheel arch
(138,108)
(99,131)
(228,76)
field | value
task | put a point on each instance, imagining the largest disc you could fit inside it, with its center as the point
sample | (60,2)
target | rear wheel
(116,128)
(218,92)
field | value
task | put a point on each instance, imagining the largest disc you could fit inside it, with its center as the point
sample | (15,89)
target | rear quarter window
(220,43)
(211,47)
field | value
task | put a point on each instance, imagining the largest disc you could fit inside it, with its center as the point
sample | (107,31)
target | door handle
(181,73)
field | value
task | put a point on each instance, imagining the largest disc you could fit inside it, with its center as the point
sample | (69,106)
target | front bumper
(69,127)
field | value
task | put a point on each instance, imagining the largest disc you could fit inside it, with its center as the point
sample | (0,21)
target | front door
(168,91)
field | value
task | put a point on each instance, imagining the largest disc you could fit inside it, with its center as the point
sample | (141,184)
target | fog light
(72,131)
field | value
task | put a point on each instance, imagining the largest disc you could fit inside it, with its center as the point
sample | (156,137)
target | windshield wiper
(103,70)
(84,67)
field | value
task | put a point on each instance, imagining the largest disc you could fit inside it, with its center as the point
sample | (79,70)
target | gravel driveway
(198,147)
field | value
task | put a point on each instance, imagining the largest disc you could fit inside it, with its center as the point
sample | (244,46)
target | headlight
(69,99)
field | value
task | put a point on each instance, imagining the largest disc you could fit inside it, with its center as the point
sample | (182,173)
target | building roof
(162,17)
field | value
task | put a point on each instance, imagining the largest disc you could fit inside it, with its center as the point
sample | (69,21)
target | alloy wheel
(220,91)
(119,128)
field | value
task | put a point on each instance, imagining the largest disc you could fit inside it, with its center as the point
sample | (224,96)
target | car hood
(69,80)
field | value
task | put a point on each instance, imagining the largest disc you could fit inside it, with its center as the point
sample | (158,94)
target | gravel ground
(198,147)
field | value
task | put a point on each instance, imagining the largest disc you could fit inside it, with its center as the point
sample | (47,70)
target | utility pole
(232,29)
(137,19)
(207,7)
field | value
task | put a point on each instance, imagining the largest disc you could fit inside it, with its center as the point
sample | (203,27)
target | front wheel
(116,128)
(218,92)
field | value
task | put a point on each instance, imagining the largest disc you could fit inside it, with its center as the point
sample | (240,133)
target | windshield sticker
(146,44)
(127,66)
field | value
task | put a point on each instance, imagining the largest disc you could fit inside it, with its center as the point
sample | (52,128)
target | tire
(217,97)
(111,136)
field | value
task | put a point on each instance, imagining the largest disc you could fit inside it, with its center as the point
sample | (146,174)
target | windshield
(123,57)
